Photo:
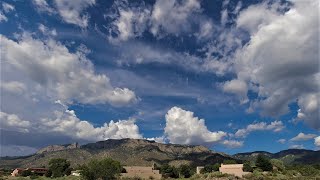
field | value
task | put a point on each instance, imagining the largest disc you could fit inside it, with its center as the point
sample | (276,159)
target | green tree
(169,171)
(26,173)
(247,167)
(48,173)
(58,167)
(263,163)
(278,164)
(101,169)
(185,171)
(210,168)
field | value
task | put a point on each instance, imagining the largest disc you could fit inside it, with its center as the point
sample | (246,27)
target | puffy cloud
(71,11)
(165,17)
(7,7)
(232,143)
(13,87)
(281,141)
(238,87)
(43,6)
(183,128)
(281,58)
(46,31)
(317,141)
(130,21)
(64,75)
(274,126)
(68,124)
(303,137)
(173,16)
(13,122)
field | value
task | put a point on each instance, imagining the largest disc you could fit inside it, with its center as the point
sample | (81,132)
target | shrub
(263,163)
(58,167)
(278,164)
(247,167)
(48,173)
(169,171)
(26,173)
(185,171)
(101,169)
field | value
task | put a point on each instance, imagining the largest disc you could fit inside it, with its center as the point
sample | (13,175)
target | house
(199,168)
(75,173)
(17,172)
(234,169)
(141,172)
(38,171)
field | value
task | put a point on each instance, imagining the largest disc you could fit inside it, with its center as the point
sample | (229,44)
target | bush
(48,173)
(26,173)
(278,164)
(263,163)
(185,171)
(169,171)
(58,167)
(101,169)
(247,167)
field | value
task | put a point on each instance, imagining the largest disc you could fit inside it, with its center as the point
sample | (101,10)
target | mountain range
(144,153)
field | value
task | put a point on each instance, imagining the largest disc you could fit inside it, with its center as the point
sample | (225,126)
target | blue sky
(235,76)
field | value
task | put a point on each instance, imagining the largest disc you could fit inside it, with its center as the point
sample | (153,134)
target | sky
(232,75)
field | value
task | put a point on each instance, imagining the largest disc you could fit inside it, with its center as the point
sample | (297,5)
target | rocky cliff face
(53,148)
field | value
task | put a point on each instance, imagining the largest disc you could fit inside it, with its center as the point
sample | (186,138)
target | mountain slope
(289,156)
(127,151)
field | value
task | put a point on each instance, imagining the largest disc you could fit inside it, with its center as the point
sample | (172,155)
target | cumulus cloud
(281,141)
(182,127)
(303,137)
(13,122)
(238,87)
(274,126)
(232,143)
(281,58)
(43,6)
(72,11)
(317,141)
(64,75)
(164,17)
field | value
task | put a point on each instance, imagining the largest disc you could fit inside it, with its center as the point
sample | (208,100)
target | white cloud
(238,87)
(171,16)
(13,122)
(13,87)
(183,128)
(3,17)
(68,124)
(72,11)
(274,126)
(297,146)
(303,137)
(281,58)
(43,6)
(317,141)
(46,31)
(232,143)
(165,17)
(130,21)
(63,75)
(7,7)
(281,141)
